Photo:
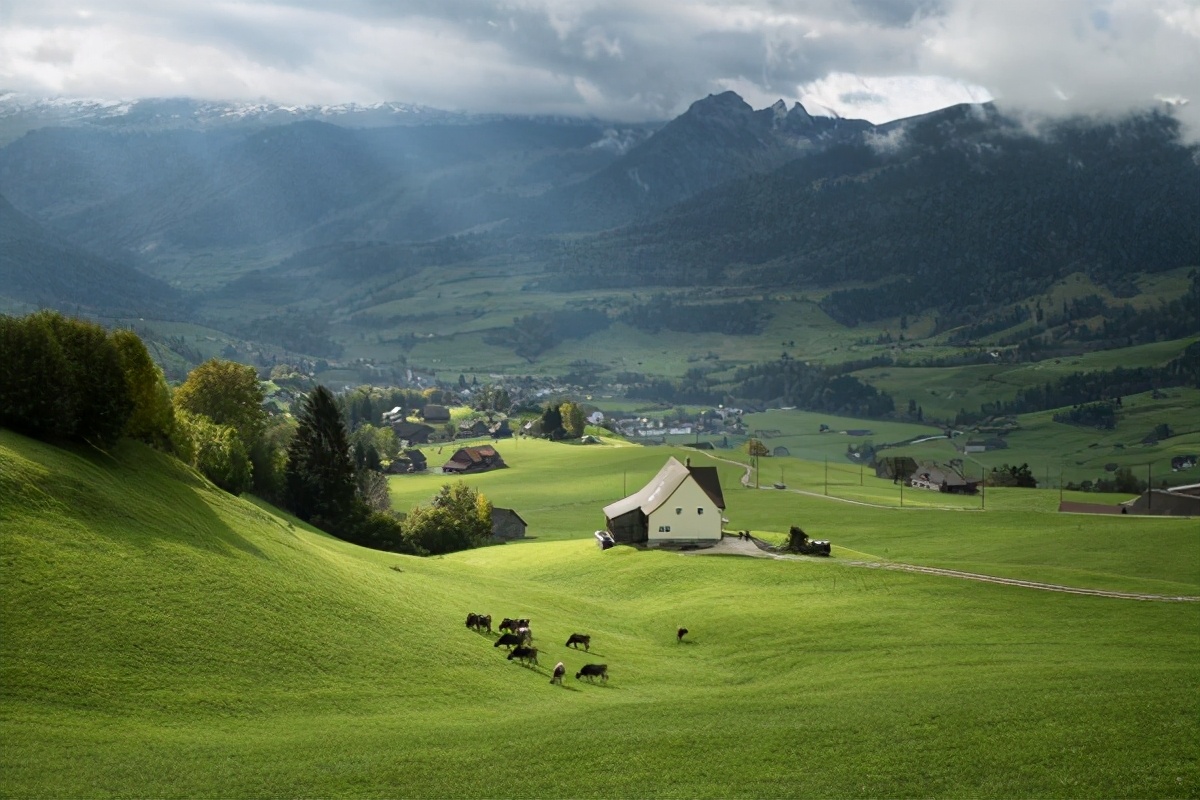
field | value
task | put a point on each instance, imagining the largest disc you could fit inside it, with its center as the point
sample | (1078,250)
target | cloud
(623,59)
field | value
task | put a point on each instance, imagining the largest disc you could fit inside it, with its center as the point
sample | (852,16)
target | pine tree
(320,471)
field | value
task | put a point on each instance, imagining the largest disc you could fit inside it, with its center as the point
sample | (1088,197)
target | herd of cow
(518,638)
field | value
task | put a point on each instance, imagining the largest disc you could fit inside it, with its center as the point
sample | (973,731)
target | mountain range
(961,209)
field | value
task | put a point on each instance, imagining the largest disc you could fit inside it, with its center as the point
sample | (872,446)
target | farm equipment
(799,542)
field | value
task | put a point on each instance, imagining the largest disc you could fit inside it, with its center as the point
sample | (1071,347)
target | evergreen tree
(320,472)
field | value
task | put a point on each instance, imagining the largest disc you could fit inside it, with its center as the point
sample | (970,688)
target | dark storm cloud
(612,58)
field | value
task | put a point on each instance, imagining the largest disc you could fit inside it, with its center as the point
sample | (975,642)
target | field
(165,639)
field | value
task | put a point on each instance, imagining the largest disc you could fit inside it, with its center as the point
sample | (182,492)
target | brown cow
(579,639)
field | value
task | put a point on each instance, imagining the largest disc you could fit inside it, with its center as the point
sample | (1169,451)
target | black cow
(513,624)
(679,634)
(560,669)
(579,639)
(483,622)
(525,654)
(590,671)
(508,640)
(525,634)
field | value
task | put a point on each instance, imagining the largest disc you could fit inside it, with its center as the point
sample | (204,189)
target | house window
(678,510)
(699,509)
(664,528)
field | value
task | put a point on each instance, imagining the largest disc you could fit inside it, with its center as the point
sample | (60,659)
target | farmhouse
(435,414)
(473,459)
(682,504)
(412,432)
(507,525)
(411,461)
(940,478)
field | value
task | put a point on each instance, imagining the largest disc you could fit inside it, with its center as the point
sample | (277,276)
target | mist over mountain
(39,269)
(962,208)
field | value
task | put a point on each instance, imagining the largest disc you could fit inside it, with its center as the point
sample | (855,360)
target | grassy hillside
(162,638)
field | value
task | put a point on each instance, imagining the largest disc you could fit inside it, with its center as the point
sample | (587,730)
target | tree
(552,422)
(153,418)
(218,452)
(34,388)
(227,393)
(459,518)
(572,419)
(98,400)
(320,473)
(755,447)
(269,457)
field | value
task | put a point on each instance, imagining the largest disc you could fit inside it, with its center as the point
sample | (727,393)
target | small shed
(435,414)
(507,525)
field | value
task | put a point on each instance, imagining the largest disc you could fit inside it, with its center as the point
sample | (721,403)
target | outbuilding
(681,505)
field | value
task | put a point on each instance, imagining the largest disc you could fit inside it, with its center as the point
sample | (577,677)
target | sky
(616,59)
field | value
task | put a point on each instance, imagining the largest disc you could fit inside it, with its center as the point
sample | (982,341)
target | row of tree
(69,380)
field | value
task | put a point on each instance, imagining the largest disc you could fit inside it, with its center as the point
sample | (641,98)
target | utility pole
(1149,486)
(902,480)
(826,476)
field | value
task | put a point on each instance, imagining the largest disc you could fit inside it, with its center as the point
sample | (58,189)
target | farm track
(739,547)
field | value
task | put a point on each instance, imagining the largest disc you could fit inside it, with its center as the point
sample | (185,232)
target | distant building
(473,459)
(435,414)
(942,478)
(682,505)
(412,432)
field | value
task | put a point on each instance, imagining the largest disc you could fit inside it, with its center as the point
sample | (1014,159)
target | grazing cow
(679,634)
(525,634)
(559,670)
(525,654)
(472,620)
(590,671)
(511,625)
(508,640)
(484,623)
(579,639)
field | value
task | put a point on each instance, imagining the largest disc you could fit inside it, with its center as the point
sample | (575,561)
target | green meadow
(162,638)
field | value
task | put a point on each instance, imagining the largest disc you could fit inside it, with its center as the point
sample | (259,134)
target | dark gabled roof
(415,456)
(710,482)
(405,429)
(440,413)
(496,512)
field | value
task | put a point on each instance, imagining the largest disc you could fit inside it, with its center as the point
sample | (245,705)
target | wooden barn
(473,459)
(681,505)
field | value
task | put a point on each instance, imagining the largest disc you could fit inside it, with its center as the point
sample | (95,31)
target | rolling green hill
(162,638)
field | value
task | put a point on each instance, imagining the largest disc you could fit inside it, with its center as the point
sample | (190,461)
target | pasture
(163,638)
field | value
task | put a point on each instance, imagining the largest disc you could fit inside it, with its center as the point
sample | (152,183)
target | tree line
(68,380)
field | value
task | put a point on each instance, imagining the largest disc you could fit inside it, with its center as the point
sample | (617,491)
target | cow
(512,624)
(679,634)
(483,622)
(559,670)
(579,639)
(472,620)
(525,634)
(590,671)
(525,654)
(508,640)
